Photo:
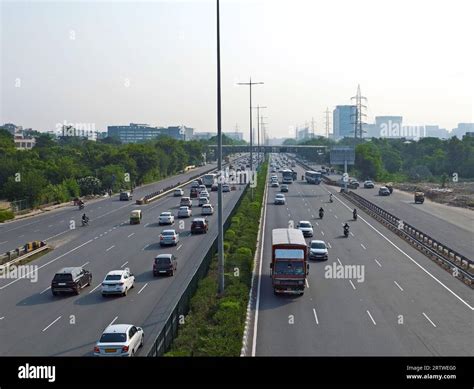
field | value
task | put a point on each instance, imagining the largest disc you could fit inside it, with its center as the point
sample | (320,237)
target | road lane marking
(144,286)
(307,284)
(48,288)
(316,223)
(351,233)
(3,317)
(21,236)
(50,226)
(144,248)
(95,288)
(123,265)
(329,245)
(378,263)
(336,216)
(85,264)
(411,259)
(371,318)
(146,225)
(54,236)
(399,287)
(425,315)
(51,324)
(4,242)
(46,264)
(179,247)
(363,246)
(338,260)
(110,248)
(113,321)
(322,232)
(315,316)
(131,235)
(353,287)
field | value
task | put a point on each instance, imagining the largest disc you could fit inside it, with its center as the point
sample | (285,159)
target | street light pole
(250,83)
(220,223)
(258,128)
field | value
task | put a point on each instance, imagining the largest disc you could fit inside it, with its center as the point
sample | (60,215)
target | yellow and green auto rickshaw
(136,216)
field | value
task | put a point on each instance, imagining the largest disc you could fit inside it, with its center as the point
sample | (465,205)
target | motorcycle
(346,232)
(321,214)
(354,216)
(85,222)
(81,206)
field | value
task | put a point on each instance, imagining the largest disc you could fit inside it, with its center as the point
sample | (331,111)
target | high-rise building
(178,132)
(303,134)
(343,122)
(390,127)
(134,132)
(461,129)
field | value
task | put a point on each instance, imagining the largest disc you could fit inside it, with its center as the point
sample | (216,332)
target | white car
(118,282)
(185,212)
(280,199)
(207,209)
(275,184)
(119,340)
(225,188)
(166,218)
(204,193)
(306,228)
(318,250)
(169,237)
(178,193)
(203,200)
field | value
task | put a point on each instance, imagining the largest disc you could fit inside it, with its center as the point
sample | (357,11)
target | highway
(450,225)
(405,305)
(34,323)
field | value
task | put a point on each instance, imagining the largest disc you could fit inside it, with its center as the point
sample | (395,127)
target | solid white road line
(315,316)
(51,324)
(399,287)
(371,318)
(378,263)
(411,259)
(353,287)
(144,286)
(113,321)
(92,291)
(425,315)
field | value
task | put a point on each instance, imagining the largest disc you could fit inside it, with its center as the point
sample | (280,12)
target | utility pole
(259,107)
(250,83)
(220,222)
(359,114)
(327,122)
(262,124)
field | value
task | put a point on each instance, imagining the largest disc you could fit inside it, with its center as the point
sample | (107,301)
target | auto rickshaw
(419,197)
(136,216)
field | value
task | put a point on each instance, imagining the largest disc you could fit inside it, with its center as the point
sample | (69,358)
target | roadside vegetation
(214,325)
(398,160)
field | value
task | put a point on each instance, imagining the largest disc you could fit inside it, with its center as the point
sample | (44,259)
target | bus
(289,266)
(313,177)
(209,179)
(287,175)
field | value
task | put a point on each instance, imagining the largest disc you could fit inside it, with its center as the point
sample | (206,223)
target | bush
(6,215)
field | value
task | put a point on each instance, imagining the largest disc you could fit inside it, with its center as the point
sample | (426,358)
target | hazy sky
(154,61)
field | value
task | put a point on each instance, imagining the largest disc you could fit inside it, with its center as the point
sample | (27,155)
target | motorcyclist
(346,229)
(321,212)
(354,214)
(85,219)
(81,204)
(330,197)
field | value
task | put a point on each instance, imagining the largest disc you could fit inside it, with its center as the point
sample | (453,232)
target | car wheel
(172,273)
(125,292)
(141,342)
(133,285)
(55,293)
(77,291)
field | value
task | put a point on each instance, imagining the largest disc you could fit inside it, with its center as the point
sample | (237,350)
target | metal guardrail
(169,331)
(461,266)
(12,256)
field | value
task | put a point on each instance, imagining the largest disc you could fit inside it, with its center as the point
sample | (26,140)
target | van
(185,202)
(136,216)
(125,196)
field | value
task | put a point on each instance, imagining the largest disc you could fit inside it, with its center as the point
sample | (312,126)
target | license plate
(162,271)
(62,284)
(110,350)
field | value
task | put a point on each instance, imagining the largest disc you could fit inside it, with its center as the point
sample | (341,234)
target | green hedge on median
(214,325)
(6,215)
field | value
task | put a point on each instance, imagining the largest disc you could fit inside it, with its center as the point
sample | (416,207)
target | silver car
(169,237)
(184,212)
(119,340)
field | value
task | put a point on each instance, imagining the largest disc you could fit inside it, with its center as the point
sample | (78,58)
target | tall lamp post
(250,83)
(220,223)
(259,107)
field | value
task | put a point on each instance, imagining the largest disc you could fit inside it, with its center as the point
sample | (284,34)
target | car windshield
(318,245)
(63,277)
(167,233)
(162,261)
(113,277)
(183,209)
(305,225)
(289,268)
(165,214)
(113,338)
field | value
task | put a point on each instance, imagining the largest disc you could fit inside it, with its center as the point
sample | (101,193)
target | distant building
(390,127)
(78,132)
(178,132)
(134,133)
(21,138)
(343,117)
(235,135)
(462,129)
(370,130)
(12,128)
(203,135)
(469,134)
(433,131)
(303,134)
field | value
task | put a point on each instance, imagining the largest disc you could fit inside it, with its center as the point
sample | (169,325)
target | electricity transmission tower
(359,116)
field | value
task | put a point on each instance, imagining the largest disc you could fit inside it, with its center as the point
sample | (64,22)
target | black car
(165,264)
(199,225)
(125,196)
(384,191)
(70,280)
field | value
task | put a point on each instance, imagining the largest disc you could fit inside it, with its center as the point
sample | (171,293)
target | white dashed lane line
(378,263)
(363,246)
(427,318)
(399,287)
(121,267)
(131,235)
(144,286)
(371,318)
(44,329)
(92,291)
(110,248)
(315,316)
(353,286)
